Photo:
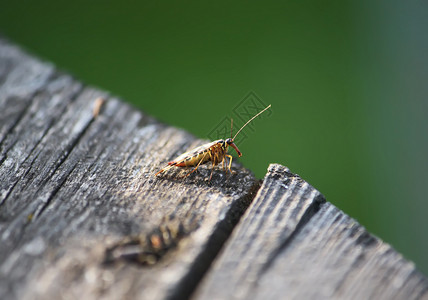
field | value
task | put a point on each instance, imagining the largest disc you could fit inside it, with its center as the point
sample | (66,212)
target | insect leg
(230,162)
(164,169)
(197,166)
(215,160)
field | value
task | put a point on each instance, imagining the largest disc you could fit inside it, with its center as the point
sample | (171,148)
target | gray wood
(81,214)
(290,244)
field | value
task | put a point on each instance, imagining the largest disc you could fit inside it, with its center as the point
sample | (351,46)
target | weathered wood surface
(74,187)
(81,215)
(291,244)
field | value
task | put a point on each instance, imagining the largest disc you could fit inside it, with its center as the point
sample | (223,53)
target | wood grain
(83,217)
(290,244)
(75,185)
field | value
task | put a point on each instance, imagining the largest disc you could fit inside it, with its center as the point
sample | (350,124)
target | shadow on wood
(291,244)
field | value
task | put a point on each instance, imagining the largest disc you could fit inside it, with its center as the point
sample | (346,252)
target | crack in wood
(48,125)
(216,242)
(12,126)
(307,215)
(56,167)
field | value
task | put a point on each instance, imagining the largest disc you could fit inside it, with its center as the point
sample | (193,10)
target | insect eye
(229,141)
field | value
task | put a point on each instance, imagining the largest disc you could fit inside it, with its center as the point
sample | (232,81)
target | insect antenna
(231,126)
(251,120)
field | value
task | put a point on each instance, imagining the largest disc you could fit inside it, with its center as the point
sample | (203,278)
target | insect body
(215,152)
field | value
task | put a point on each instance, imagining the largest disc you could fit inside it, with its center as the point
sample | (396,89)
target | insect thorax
(223,144)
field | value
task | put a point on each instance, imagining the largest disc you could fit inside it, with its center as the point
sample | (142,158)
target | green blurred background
(347,81)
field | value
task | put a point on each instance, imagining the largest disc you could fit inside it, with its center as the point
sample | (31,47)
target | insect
(215,152)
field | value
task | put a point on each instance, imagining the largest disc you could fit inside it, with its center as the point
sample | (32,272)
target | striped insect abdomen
(194,157)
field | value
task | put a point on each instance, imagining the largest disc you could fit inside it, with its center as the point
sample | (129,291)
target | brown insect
(215,152)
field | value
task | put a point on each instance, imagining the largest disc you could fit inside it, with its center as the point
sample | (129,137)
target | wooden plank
(19,81)
(81,214)
(290,244)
